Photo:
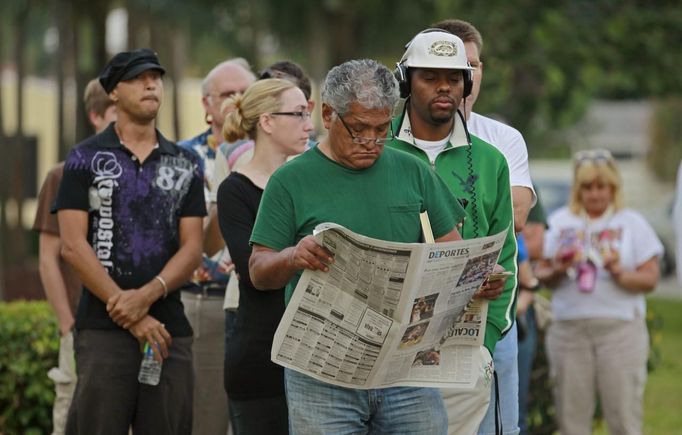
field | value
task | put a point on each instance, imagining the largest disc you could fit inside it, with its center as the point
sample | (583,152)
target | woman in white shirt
(601,260)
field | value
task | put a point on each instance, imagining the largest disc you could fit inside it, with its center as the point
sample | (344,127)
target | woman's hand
(614,268)
(561,264)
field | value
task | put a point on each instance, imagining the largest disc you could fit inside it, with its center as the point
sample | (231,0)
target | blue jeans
(527,348)
(506,366)
(317,408)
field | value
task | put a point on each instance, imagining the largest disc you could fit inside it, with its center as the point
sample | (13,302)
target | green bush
(30,347)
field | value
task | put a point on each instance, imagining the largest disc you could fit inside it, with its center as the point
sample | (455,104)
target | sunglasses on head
(594,156)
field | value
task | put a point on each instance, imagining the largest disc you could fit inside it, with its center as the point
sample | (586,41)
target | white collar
(458,137)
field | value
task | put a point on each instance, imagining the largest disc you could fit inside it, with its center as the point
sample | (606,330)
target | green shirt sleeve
(501,311)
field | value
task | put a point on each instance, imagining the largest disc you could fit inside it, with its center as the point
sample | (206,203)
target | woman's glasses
(302,115)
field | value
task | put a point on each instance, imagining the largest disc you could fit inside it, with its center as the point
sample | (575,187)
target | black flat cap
(127,65)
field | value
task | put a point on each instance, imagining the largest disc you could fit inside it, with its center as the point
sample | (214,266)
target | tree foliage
(544,60)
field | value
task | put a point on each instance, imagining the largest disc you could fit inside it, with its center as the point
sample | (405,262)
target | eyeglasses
(365,140)
(302,115)
(603,157)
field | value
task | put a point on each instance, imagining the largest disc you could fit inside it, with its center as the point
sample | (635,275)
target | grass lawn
(663,397)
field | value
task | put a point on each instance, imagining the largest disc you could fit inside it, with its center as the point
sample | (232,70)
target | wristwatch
(534,285)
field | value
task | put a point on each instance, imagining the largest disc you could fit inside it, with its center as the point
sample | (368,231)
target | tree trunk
(81,78)
(4,183)
(345,48)
(139,30)
(3,136)
(319,43)
(95,18)
(98,19)
(178,50)
(17,240)
(62,12)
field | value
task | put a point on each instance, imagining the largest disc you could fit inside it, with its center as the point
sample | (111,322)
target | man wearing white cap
(435,76)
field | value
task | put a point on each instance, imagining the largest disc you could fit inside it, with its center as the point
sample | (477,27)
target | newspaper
(389,314)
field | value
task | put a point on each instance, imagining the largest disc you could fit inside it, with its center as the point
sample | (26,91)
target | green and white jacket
(478,176)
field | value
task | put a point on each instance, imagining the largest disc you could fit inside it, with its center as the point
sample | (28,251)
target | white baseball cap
(435,48)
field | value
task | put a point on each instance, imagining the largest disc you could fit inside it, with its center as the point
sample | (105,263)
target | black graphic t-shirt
(134,214)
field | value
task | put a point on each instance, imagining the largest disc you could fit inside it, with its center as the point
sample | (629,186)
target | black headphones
(402,72)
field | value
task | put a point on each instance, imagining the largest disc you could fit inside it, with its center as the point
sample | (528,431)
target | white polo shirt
(510,143)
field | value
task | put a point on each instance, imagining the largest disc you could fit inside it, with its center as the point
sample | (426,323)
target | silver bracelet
(163,283)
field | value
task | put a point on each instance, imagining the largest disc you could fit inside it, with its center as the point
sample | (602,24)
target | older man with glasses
(203,298)
(352,180)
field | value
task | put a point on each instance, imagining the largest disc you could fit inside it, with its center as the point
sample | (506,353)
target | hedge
(30,347)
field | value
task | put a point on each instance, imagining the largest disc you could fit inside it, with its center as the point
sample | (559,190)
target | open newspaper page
(388,313)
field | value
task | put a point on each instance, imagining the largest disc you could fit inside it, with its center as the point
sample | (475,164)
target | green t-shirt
(382,201)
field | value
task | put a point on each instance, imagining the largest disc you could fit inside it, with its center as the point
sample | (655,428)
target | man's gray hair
(366,81)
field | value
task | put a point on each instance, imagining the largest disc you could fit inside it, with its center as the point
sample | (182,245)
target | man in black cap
(130,209)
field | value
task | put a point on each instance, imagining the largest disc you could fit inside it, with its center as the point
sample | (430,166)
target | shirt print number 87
(167,177)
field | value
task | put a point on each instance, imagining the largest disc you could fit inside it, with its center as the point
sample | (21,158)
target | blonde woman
(602,259)
(274,113)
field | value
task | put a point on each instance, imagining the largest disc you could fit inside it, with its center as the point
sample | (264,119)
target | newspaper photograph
(388,313)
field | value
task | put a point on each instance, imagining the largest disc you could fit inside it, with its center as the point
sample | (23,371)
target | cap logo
(443,48)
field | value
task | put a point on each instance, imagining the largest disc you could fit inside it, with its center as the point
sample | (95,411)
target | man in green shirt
(435,76)
(350,179)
